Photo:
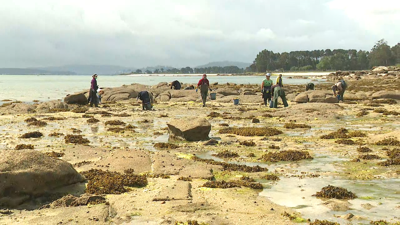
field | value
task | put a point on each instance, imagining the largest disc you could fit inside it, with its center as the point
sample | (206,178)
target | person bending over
(146,99)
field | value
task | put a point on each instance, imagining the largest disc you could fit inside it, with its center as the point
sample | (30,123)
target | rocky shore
(66,163)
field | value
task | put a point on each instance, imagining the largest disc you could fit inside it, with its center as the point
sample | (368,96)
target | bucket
(213,96)
(236,101)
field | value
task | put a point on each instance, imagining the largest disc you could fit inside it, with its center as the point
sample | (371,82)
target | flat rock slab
(180,190)
(169,163)
(85,158)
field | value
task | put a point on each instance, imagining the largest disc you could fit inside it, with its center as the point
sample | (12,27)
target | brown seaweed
(24,146)
(335,192)
(291,155)
(232,167)
(35,134)
(106,182)
(76,139)
(296,126)
(162,145)
(226,154)
(251,131)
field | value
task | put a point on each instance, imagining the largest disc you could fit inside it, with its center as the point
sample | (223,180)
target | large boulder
(124,92)
(51,105)
(17,108)
(77,98)
(26,173)
(190,129)
(301,98)
(380,69)
(386,94)
(227,91)
(319,96)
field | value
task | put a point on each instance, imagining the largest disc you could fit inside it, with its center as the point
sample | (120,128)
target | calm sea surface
(27,88)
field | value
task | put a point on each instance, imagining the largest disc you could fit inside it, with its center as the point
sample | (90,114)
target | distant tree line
(189,70)
(338,59)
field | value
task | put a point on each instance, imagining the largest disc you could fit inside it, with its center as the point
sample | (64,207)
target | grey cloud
(176,33)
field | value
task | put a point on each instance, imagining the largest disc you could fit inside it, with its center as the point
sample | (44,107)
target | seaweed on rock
(226,154)
(345,142)
(162,145)
(232,167)
(391,141)
(323,222)
(55,154)
(35,134)
(30,120)
(76,139)
(115,123)
(37,123)
(24,146)
(364,149)
(335,192)
(251,131)
(106,182)
(291,155)
(295,126)
(232,184)
(248,143)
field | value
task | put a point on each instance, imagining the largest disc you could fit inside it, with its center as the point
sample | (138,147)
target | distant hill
(32,71)
(90,69)
(225,63)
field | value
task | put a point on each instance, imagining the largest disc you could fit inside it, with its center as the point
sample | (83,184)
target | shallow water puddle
(295,190)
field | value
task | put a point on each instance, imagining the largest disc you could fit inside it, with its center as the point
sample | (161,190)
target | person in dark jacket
(93,92)
(204,85)
(278,91)
(309,86)
(146,99)
(176,85)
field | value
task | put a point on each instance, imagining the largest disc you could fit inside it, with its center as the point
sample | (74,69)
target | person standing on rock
(278,92)
(93,92)
(146,99)
(266,88)
(204,85)
(176,85)
(339,88)
(279,80)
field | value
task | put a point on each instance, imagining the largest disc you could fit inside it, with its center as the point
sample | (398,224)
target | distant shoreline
(313,74)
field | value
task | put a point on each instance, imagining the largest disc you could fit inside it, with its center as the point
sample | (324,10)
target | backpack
(344,85)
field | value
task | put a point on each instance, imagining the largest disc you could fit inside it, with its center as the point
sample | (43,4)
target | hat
(268,74)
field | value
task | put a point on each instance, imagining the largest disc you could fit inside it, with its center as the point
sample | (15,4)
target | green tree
(396,53)
(325,63)
(381,54)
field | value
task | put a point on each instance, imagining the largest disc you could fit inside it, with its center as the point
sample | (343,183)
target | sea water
(27,88)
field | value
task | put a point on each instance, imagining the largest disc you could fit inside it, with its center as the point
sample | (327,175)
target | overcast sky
(138,33)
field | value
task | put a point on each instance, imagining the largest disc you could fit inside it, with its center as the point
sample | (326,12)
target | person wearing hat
(93,92)
(279,80)
(266,88)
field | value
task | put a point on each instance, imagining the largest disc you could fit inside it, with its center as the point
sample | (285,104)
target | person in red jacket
(204,85)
